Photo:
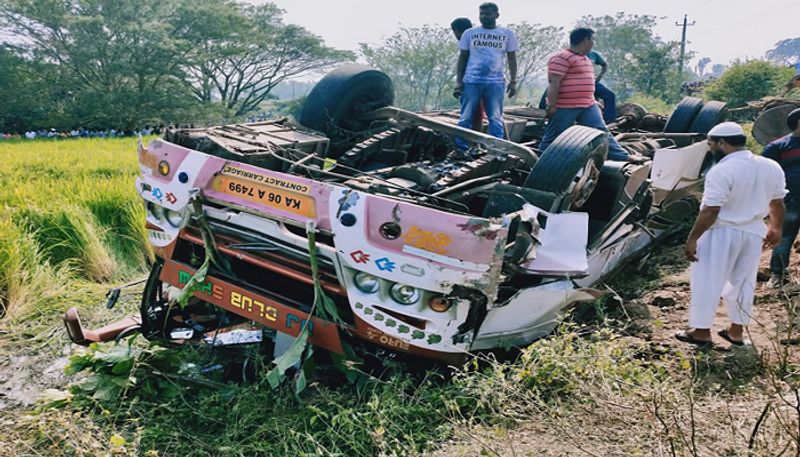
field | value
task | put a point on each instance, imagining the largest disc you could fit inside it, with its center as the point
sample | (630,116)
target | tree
(24,94)
(746,81)
(536,44)
(125,63)
(629,44)
(701,65)
(421,61)
(253,52)
(119,60)
(785,51)
(655,71)
(717,70)
(220,29)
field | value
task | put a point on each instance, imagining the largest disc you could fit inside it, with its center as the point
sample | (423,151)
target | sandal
(687,337)
(725,336)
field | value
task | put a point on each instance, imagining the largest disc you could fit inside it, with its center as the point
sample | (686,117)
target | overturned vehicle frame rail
(423,249)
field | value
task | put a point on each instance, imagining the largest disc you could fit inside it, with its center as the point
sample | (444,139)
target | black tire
(711,114)
(565,161)
(151,308)
(341,95)
(682,116)
(634,110)
(771,123)
(652,123)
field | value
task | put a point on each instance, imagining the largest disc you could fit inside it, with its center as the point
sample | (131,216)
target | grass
(599,393)
(67,209)
(71,225)
(398,413)
(651,104)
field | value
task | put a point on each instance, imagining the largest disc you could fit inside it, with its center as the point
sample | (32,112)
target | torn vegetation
(300,353)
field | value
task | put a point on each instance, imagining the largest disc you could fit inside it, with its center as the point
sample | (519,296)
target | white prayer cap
(726,129)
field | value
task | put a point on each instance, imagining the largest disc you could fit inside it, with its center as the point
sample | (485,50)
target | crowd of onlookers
(81,133)
(694,87)
(261,116)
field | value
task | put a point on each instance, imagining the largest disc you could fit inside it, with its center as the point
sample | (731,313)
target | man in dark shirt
(600,89)
(786,151)
(459,26)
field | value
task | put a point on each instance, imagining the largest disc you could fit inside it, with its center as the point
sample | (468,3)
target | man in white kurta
(729,233)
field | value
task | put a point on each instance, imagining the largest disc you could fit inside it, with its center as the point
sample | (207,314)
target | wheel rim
(587,180)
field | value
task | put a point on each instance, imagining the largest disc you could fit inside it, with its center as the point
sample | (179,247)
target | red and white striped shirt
(577,86)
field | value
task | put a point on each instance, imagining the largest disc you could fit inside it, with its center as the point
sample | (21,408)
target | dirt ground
(23,377)
(661,304)
(652,306)
(33,355)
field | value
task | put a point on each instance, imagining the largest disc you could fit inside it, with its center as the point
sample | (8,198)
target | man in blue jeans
(786,151)
(600,89)
(570,93)
(479,74)
(459,26)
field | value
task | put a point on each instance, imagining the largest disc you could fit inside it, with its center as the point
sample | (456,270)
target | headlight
(366,282)
(173,217)
(403,294)
(155,210)
(163,167)
(440,304)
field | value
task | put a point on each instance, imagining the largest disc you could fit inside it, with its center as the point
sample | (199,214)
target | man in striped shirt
(786,151)
(600,90)
(570,93)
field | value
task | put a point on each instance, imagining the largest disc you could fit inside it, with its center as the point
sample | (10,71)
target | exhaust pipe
(79,335)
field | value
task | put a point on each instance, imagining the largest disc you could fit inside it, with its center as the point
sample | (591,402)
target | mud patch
(24,377)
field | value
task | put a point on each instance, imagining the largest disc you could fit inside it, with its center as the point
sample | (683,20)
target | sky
(723,30)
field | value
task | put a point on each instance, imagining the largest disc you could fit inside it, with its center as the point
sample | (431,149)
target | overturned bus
(419,247)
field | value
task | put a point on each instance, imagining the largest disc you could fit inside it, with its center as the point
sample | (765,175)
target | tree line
(126,64)
(129,63)
(421,60)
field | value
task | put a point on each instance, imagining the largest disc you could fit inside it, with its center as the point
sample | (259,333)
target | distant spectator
(459,26)
(786,151)
(600,90)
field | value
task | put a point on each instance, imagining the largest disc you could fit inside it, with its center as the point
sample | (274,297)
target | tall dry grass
(67,209)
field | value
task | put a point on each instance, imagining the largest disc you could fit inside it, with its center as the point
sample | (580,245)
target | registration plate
(274,197)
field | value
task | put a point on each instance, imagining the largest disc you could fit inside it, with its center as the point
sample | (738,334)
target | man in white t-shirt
(479,74)
(729,233)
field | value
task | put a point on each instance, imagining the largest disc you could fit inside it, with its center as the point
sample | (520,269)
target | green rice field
(68,209)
